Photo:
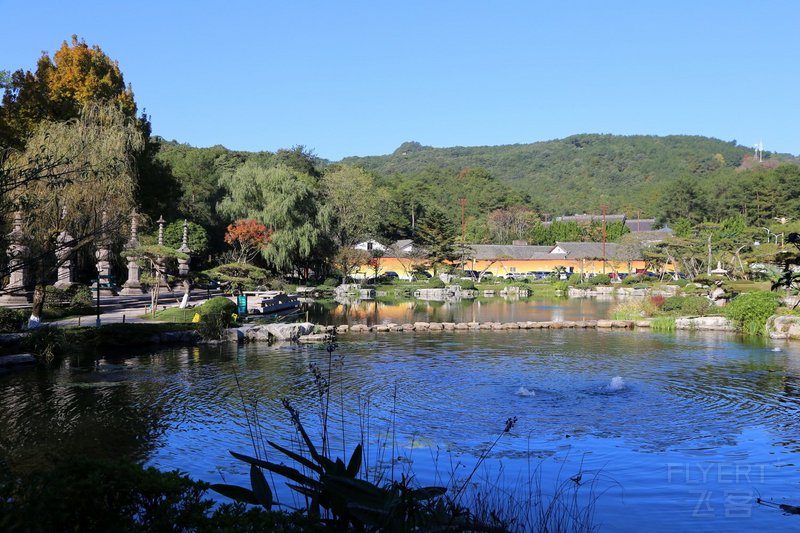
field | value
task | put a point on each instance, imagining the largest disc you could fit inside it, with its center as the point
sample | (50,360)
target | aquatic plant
(751,311)
(663,324)
(46,343)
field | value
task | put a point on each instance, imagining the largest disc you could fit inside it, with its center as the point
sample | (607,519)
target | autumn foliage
(248,237)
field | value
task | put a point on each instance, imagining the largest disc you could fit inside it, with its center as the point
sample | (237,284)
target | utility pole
(638,220)
(463,202)
(603,209)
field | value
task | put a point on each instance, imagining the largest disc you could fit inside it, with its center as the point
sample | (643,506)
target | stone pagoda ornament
(160,263)
(14,293)
(183,264)
(64,244)
(133,286)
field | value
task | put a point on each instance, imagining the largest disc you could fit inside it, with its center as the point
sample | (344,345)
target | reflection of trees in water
(96,412)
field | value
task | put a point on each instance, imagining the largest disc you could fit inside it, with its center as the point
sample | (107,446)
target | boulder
(314,337)
(706,323)
(783,327)
(605,324)
(289,332)
(344,328)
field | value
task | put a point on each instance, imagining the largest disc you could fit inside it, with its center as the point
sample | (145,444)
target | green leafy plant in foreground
(337,496)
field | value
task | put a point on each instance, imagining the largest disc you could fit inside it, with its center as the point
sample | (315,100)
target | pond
(672,432)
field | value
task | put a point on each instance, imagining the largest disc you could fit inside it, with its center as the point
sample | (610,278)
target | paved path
(116,309)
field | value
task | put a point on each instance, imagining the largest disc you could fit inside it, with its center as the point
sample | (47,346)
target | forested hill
(580,172)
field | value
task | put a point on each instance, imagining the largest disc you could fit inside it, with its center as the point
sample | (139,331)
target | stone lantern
(132,286)
(64,243)
(14,292)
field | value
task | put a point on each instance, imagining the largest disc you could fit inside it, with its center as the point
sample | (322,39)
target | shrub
(12,320)
(435,283)
(562,286)
(330,282)
(688,305)
(704,279)
(81,299)
(600,279)
(46,343)
(217,305)
(575,279)
(85,494)
(751,311)
(466,284)
(636,279)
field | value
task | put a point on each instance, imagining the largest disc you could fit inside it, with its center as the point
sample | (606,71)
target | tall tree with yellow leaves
(59,88)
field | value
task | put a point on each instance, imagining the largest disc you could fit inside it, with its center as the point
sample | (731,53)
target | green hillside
(580,172)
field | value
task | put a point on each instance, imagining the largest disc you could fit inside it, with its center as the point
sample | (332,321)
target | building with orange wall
(586,258)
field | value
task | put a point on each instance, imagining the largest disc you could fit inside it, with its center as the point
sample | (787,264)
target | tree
(59,89)
(198,237)
(284,201)
(354,203)
(510,223)
(347,260)
(76,176)
(248,238)
(437,234)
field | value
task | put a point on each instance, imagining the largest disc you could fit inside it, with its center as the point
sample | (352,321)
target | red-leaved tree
(248,238)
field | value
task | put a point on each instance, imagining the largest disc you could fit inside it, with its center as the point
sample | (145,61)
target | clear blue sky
(361,77)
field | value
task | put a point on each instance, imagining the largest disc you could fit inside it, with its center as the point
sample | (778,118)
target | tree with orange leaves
(248,237)
(59,88)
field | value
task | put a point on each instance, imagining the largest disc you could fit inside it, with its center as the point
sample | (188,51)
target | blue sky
(359,78)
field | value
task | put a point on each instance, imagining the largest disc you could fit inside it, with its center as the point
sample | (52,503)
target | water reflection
(625,402)
(373,312)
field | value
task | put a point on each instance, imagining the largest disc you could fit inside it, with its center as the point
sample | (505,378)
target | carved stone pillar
(133,286)
(183,264)
(64,243)
(14,293)
(161,262)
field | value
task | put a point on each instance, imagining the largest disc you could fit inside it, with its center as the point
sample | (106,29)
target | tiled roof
(588,250)
(640,224)
(588,219)
(509,251)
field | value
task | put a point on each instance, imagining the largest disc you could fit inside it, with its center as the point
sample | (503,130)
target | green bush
(330,282)
(12,320)
(575,279)
(46,343)
(81,299)
(704,279)
(216,306)
(466,284)
(600,279)
(562,286)
(687,305)
(435,283)
(751,310)
(633,279)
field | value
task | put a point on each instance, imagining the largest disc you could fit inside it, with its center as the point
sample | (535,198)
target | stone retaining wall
(715,323)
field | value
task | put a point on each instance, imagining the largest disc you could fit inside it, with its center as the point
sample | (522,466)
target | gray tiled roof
(640,224)
(588,250)
(588,219)
(509,251)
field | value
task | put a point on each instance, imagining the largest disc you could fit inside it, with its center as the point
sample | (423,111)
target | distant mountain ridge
(580,172)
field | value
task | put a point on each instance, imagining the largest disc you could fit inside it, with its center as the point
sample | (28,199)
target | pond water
(672,432)
(480,310)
